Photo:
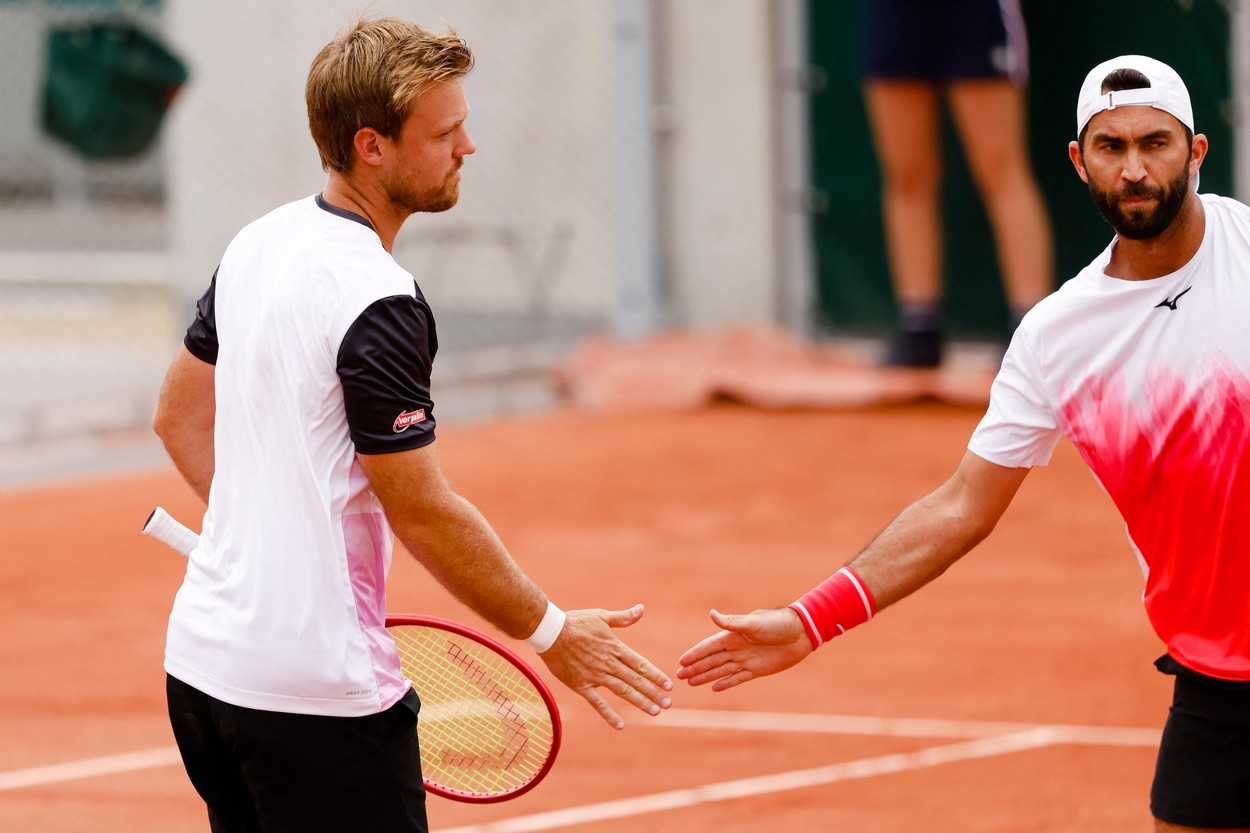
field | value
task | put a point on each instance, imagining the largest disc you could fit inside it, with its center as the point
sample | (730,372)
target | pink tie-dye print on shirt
(367,538)
(1175,458)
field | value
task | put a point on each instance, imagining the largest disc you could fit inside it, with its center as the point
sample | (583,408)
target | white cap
(1166,92)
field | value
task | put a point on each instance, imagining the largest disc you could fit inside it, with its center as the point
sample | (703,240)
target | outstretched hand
(749,646)
(587,656)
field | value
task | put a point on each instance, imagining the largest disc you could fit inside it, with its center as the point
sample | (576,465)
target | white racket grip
(161,526)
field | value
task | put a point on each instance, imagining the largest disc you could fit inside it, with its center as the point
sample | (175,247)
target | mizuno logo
(1170,303)
(407,419)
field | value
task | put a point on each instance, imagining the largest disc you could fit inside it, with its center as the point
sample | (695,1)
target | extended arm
(936,531)
(916,547)
(184,419)
(456,544)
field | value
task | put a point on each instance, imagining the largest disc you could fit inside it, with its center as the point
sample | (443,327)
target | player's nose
(1134,170)
(467,146)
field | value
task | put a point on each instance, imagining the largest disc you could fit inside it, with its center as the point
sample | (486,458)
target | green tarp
(108,87)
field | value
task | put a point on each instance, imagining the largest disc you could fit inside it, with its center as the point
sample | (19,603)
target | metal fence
(101,259)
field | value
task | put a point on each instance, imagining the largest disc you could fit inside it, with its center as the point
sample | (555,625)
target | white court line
(833,724)
(89,767)
(898,727)
(797,779)
(675,718)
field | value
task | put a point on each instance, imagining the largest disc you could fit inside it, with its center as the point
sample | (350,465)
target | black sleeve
(201,337)
(384,364)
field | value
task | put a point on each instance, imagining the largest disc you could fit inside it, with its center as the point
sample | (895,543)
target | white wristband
(544,636)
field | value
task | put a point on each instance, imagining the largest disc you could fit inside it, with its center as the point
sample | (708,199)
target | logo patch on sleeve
(407,419)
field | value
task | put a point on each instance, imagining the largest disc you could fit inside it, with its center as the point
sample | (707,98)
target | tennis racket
(488,725)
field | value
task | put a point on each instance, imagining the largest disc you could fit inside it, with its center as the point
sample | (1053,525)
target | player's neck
(1140,260)
(367,200)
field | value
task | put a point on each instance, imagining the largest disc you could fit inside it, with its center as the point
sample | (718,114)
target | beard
(432,200)
(1143,224)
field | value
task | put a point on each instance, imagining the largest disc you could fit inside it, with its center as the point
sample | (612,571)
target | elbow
(964,533)
(166,426)
(179,432)
(160,425)
(974,529)
(422,523)
(980,530)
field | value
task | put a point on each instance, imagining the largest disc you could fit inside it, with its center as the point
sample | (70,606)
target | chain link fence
(101,258)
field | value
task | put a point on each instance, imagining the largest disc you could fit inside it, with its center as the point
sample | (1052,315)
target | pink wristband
(834,606)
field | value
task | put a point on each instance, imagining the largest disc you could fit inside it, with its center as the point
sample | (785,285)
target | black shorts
(274,771)
(1202,778)
(944,40)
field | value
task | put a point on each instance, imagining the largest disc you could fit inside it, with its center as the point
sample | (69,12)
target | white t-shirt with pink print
(1150,381)
(323,348)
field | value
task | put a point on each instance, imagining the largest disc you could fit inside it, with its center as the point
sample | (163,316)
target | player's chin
(436,203)
(447,203)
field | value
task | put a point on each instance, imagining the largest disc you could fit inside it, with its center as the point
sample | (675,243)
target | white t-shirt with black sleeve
(323,348)
(1150,381)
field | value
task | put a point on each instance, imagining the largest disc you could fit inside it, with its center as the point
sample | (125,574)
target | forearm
(193,457)
(916,547)
(453,541)
(457,545)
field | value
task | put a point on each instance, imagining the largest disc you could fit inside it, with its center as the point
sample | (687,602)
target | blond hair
(370,75)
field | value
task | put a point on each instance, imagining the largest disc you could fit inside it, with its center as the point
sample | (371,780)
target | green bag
(108,87)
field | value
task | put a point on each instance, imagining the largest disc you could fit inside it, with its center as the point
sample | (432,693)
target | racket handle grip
(161,526)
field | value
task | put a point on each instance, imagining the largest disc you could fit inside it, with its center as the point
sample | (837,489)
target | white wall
(238,140)
(239,144)
(535,193)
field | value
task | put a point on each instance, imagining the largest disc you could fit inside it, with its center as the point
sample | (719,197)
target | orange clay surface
(722,506)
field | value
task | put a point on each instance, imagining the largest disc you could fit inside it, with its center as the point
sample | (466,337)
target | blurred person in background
(299,410)
(1143,362)
(974,55)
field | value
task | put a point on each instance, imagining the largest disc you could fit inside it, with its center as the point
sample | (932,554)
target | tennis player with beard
(1143,362)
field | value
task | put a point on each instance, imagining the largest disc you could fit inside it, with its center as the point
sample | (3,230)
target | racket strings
(516,729)
(484,728)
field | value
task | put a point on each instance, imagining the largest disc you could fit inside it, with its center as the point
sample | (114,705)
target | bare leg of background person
(1164,827)
(991,119)
(905,127)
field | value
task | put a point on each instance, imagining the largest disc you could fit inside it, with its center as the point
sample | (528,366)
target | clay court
(1015,694)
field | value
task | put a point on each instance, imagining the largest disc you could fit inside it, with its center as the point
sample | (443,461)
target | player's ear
(1078,162)
(369,146)
(1197,153)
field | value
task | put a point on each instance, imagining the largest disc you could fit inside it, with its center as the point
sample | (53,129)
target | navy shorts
(944,40)
(274,771)
(1202,778)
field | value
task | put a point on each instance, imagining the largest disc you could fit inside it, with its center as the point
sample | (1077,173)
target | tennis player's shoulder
(1238,211)
(1228,222)
(1058,308)
(1082,283)
(345,252)
(255,232)
(282,218)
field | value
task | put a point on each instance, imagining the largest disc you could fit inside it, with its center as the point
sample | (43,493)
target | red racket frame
(557,730)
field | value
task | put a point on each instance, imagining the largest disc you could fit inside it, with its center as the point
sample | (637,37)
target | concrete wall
(719,183)
(238,141)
